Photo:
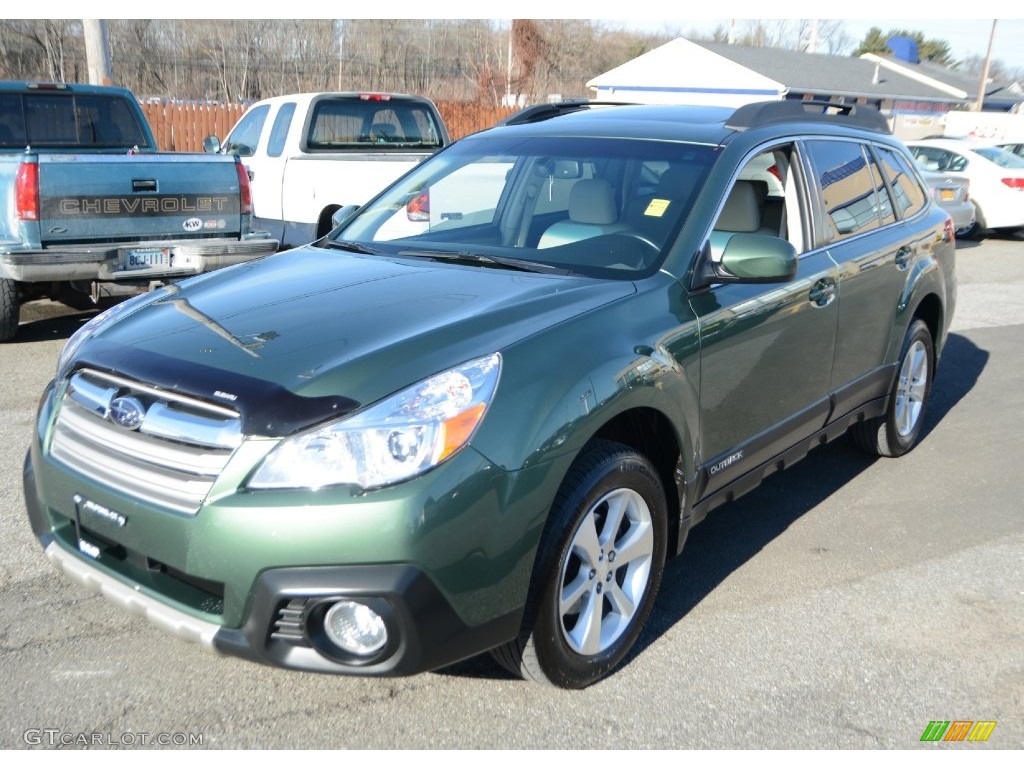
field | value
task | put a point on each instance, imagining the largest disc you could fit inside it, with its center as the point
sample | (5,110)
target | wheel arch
(930,310)
(650,433)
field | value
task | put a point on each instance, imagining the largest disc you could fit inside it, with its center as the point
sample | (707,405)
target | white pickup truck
(311,154)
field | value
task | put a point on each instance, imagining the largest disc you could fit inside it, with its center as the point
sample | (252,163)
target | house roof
(682,65)
(1001,94)
(839,75)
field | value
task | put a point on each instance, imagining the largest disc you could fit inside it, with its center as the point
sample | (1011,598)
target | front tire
(898,431)
(597,571)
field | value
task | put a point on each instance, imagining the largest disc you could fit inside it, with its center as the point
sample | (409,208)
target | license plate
(148,258)
(947,194)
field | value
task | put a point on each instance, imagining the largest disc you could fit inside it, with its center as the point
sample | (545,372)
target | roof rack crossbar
(766,112)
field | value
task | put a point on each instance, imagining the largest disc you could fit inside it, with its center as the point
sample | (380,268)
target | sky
(966,36)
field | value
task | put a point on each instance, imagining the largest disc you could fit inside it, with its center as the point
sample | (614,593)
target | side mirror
(211,144)
(749,258)
(752,258)
(342,216)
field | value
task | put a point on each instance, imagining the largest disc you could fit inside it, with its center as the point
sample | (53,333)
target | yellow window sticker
(656,207)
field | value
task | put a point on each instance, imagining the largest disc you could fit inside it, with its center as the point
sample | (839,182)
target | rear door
(873,248)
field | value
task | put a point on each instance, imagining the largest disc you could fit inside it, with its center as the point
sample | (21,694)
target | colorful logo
(958,730)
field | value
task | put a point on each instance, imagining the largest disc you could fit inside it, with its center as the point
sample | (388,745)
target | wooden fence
(181,127)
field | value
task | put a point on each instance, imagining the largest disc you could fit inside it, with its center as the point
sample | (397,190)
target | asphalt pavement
(846,603)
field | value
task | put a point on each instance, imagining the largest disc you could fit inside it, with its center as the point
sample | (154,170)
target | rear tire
(897,432)
(597,571)
(976,231)
(9,309)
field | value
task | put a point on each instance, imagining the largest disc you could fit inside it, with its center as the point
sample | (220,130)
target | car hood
(333,329)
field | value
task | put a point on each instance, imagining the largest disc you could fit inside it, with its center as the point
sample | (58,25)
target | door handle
(903,257)
(822,293)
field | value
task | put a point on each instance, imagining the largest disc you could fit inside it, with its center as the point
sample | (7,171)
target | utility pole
(984,71)
(97,51)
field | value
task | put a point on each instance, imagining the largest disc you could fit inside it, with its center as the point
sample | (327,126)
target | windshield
(1000,157)
(598,207)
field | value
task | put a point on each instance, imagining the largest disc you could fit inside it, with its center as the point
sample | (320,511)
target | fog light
(355,628)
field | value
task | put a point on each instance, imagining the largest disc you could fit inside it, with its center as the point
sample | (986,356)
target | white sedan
(996,179)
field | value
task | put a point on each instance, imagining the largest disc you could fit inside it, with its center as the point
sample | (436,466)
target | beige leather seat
(591,213)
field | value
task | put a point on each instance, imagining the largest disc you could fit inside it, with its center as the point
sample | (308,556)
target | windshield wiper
(470,257)
(349,245)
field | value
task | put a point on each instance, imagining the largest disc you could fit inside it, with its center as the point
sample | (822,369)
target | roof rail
(539,112)
(816,111)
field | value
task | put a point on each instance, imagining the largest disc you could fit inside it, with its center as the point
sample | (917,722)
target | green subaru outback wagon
(483,412)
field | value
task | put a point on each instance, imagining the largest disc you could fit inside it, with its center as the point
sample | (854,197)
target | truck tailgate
(105,198)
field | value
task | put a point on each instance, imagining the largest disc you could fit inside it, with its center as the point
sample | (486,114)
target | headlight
(400,437)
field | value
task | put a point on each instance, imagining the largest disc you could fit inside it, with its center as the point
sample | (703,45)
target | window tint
(68,120)
(12,122)
(246,135)
(848,187)
(910,198)
(279,133)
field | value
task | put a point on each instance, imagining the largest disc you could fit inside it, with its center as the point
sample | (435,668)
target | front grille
(171,458)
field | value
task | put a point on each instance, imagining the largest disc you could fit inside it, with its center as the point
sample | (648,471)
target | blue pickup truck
(86,200)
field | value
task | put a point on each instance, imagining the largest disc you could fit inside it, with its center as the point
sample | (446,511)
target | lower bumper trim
(173,622)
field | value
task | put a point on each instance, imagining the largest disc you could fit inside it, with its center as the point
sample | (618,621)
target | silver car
(954,196)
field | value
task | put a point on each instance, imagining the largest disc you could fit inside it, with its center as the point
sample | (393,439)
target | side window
(279,132)
(849,188)
(764,199)
(910,198)
(246,135)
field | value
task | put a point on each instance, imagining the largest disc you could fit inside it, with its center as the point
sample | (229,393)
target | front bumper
(440,558)
(106,262)
(282,628)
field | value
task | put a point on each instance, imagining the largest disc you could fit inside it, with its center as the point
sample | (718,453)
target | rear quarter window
(910,197)
(279,132)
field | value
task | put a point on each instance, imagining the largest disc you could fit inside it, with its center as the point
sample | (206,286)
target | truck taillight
(244,190)
(418,209)
(27,192)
